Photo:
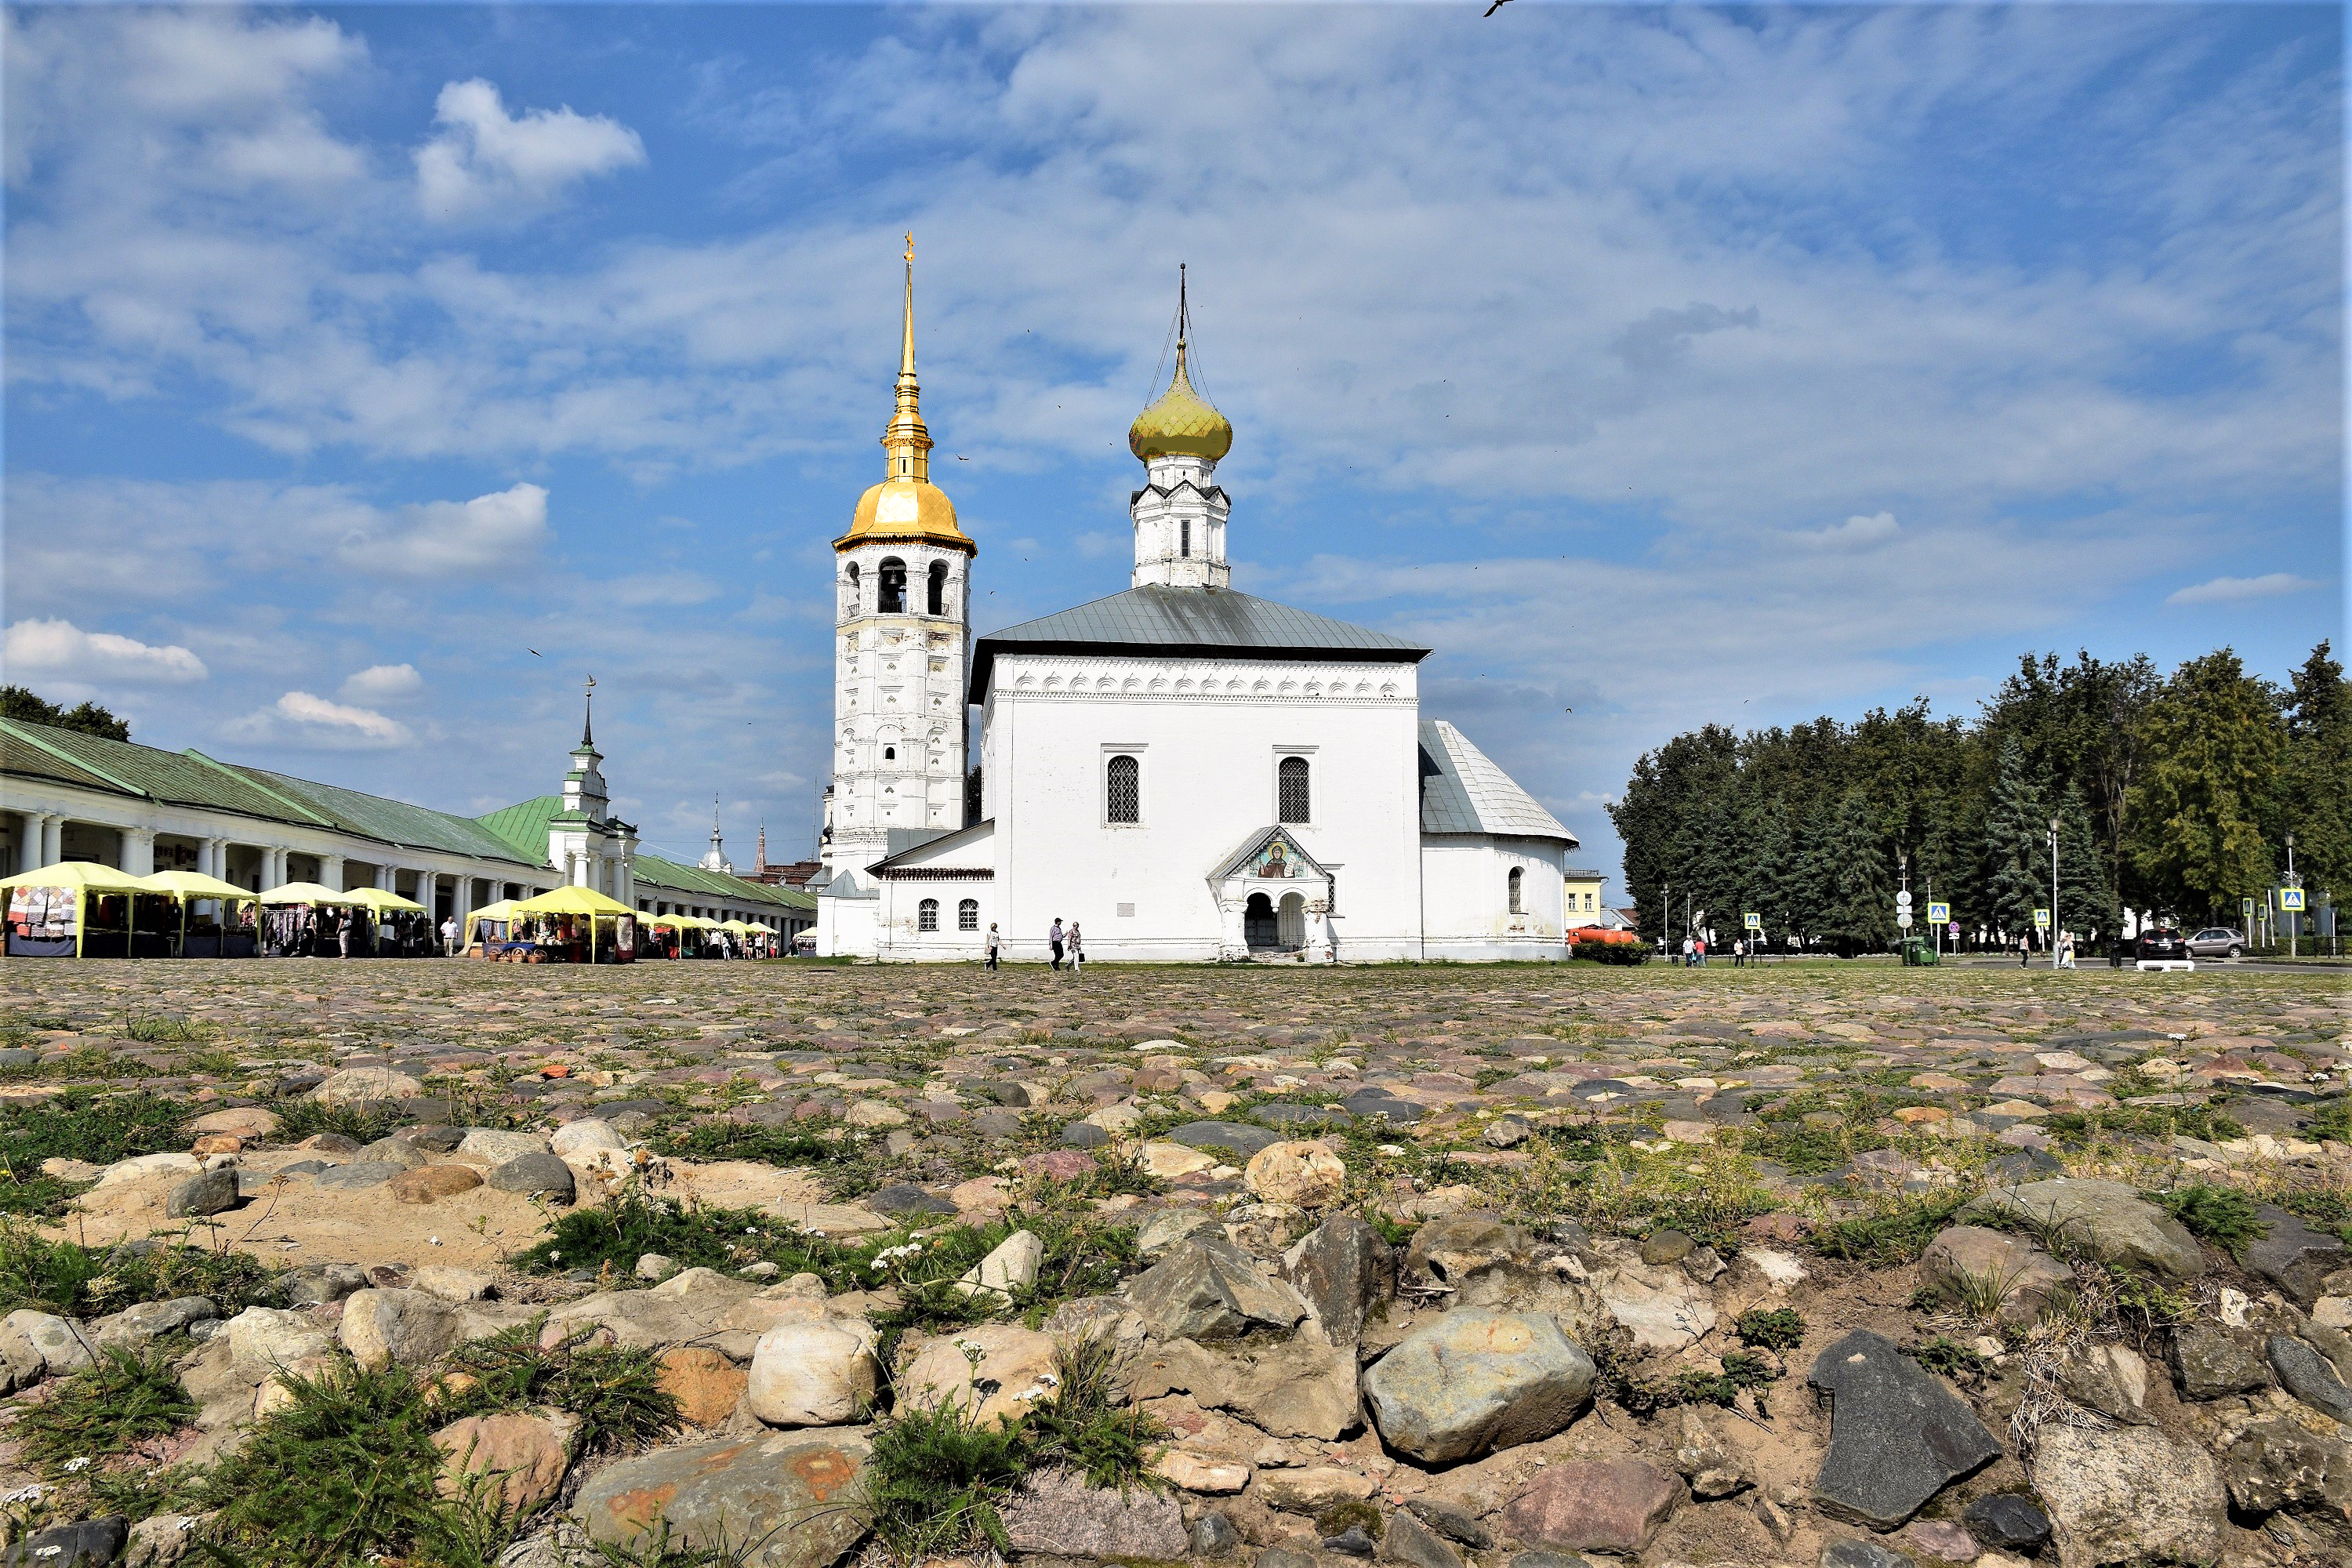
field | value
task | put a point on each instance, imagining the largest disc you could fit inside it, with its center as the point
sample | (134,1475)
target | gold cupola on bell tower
(905,505)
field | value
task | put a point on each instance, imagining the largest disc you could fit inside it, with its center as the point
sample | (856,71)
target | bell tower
(902,647)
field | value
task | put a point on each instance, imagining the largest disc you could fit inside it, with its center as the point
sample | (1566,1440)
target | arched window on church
(889,754)
(1518,879)
(968,915)
(890,579)
(927,915)
(1184,536)
(1123,790)
(938,599)
(1291,799)
(852,580)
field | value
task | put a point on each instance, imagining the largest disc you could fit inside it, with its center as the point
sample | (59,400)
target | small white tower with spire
(1180,513)
(715,858)
(593,847)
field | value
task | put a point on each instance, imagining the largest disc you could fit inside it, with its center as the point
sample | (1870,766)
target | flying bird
(1497,6)
(535,653)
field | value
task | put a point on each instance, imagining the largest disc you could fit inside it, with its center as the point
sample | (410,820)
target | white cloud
(495,533)
(300,719)
(487,158)
(58,650)
(2235,590)
(1853,533)
(384,683)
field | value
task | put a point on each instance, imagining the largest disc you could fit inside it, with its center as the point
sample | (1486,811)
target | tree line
(2173,794)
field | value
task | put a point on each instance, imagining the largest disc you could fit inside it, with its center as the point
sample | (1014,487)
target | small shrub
(73,1280)
(800,1143)
(2222,1215)
(102,1410)
(1948,1356)
(342,1475)
(2332,1120)
(1773,1329)
(1082,1426)
(615,1391)
(1896,1234)
(934,1478)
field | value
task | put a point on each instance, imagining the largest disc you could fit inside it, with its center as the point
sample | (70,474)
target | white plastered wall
(1465,881)
(1210,733)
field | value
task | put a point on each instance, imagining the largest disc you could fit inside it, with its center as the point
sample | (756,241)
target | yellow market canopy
(305,893)
(186,885)
(571,901)
(683,922)
(87,875)
(739,926)
(385,902)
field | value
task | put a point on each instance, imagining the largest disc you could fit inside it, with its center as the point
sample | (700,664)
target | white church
(1186,771)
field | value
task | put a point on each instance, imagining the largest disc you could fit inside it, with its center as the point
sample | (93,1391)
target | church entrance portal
(1291,923)
(1258,927)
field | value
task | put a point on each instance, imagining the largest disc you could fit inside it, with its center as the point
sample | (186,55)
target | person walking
(1054,942)
(344,936)
(994,942)
(1739,953)
(1077,950)
(1686,952)
(1701,953)
(450,936)
(2024,951)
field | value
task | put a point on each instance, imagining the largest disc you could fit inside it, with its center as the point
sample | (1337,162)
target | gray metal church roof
(1199,619)
(1462,791)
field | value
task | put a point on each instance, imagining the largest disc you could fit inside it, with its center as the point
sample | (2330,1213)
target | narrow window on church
(968,915)
(927,915)
(938,600)
(1185,549)
(1291,800)
(1123,785)
(891,581)
(889,754)
(1517,877)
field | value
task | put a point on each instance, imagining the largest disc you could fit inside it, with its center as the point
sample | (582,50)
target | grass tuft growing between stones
(614,1391)
(1894,1233)
(2222,1215)
(936,1478)
(77,1282)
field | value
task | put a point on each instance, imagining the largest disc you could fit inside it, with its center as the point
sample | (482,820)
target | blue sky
(1661,365)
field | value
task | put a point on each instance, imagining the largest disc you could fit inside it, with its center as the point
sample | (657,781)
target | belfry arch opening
(890,585)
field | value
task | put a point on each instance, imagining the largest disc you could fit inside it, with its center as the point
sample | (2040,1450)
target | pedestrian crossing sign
(2290,898)
(2042,918)
(1939,914)
(1752,920)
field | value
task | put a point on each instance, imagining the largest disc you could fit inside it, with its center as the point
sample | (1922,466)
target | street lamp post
(2055,926)
(2294,917)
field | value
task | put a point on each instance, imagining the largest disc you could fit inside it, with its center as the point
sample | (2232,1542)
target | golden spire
(906,440)
(1182,422)
(906,504)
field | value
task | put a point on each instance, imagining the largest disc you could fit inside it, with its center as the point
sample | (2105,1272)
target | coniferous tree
(1859,907)
(2016,875)
(2085,901)
(2314,796)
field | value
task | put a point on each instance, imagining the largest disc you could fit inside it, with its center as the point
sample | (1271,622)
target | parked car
(2163,942)
(2217,941)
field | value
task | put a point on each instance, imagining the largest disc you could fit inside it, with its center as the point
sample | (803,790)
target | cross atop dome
(1181,422)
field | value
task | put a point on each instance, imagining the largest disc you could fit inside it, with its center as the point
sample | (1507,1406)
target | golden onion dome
(1182,423)
(905,509)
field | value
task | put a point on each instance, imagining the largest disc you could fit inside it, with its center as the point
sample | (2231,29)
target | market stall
(75,909)
(307,920)
(225,931)
(404,928)
(580,925)
(688,936)
(491,929)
